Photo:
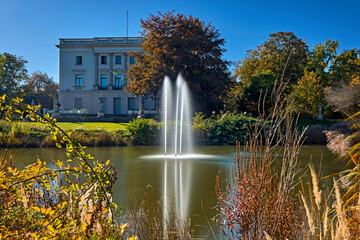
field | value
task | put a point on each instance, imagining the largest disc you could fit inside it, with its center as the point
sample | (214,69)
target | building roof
(99,42)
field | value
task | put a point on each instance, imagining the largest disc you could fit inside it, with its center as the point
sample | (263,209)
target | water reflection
(186,185)
(177,188)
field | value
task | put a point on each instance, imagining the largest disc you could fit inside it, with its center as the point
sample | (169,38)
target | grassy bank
(72,126)
(30,134)
(222,129)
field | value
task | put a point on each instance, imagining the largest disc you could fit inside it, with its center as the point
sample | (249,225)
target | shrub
(223,129)
(48,141)
(84,138)
(5,126)
(119,137)
(142,132)
(104,139)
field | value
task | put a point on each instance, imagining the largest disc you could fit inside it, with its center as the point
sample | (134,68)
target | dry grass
(327,217)
(259,200)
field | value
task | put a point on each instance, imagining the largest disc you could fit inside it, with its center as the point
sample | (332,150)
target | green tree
(343,90)
(345,67)
(308,95)
(12,73)
(283,56)
(244,96)
(280,50)
(321,58)
(177,43)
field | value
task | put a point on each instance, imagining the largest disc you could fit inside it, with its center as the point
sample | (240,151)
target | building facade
(92,73)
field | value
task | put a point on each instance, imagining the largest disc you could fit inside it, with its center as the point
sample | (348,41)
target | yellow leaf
(51,228)
(107,162)
(43,209)
(37,209)
(132,238)
(47,211)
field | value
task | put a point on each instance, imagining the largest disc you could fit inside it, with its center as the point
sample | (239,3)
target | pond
(186,184)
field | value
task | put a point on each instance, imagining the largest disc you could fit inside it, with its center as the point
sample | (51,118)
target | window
(117,105)
(132,104)
(117,59)
(78,103)
(103,59)
(78,60)
(118,81)
(132,59)
(78,80)
(103,81)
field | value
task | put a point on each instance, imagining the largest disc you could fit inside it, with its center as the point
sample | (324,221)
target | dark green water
(188,184)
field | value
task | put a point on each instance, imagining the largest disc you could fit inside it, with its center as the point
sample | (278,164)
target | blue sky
(31,28)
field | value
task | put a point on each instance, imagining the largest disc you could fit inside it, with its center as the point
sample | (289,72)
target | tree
(308,95)
(244,96)
(343,94)
(40,88)
(346,66)
(283,56)
(280,50)
(41,82)
(12,73)
(321,58)
(174,44)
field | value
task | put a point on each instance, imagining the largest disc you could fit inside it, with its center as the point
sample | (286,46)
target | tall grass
(326,214)
(259,200)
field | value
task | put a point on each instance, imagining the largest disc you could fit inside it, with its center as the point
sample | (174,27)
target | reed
(259,199)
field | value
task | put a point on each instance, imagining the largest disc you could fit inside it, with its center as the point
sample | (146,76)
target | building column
(111,78)
(96,82)
(125,57)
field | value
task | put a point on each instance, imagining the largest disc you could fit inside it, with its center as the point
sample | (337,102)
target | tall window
(78,80)
(117,59)
(103,81)
(118,81)
(117,105)
(103,60)
(78,103)
(132,104)
(132,59)
(78,60)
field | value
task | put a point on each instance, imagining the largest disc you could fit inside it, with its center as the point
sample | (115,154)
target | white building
(93,70)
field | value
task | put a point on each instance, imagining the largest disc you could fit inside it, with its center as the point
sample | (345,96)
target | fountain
(182,136)
(178,148)
(182,139)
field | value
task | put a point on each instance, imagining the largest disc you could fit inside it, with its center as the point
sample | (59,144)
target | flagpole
(127,23)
